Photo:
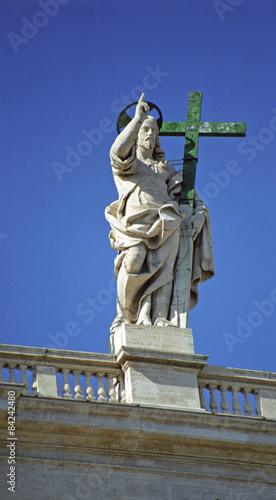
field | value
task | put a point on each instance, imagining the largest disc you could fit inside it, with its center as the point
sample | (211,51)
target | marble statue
(146,226)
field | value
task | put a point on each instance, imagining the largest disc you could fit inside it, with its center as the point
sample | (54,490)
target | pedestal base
(159,364)
(164,339)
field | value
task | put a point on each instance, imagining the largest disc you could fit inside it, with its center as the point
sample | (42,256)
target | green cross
(192,129)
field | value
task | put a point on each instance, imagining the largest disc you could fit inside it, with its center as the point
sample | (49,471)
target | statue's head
(148,138)
(148,133)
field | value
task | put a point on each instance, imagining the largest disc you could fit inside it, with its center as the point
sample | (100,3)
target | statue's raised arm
(124,142)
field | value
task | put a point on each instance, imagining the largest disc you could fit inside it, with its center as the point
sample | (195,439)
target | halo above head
(124,118)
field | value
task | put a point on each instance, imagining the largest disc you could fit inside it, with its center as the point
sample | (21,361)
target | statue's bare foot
(162,322)
(144,321)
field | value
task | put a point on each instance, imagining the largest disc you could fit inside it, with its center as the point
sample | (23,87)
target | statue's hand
(196,223)
(142,109)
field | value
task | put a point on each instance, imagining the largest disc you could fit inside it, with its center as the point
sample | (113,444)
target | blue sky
(69,67)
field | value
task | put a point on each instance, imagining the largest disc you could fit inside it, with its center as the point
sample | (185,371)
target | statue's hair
(158,153)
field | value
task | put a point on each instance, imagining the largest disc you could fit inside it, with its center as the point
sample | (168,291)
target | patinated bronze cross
(192,129)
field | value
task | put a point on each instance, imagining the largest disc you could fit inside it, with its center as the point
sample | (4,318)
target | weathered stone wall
(78,450)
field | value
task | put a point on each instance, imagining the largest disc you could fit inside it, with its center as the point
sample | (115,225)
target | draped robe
(147,212)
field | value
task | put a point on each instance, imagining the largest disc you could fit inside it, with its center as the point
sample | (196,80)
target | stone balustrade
(66,374)
(236,391)
(94,377)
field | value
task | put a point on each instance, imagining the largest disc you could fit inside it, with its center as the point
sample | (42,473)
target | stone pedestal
(159,364)
(268,402)
(45,383)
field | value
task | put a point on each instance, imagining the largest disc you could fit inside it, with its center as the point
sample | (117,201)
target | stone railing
(98,378)
(65,374)
(236,391)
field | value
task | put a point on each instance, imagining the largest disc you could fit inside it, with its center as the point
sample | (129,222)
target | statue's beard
(146,143)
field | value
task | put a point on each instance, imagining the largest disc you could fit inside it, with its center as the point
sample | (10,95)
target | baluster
(236,404)
(66,389)
(1,373)
(59,392)
(247,404)
(122,396)
(213,402)
(101,390)
(77,386)
(23,379)
(224,402)
(34,382)
(203,402)
(258,409)
(12,376)
(89,389)
(116,384)
(111,389)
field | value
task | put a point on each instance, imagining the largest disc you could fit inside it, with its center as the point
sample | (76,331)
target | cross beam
(192,129)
